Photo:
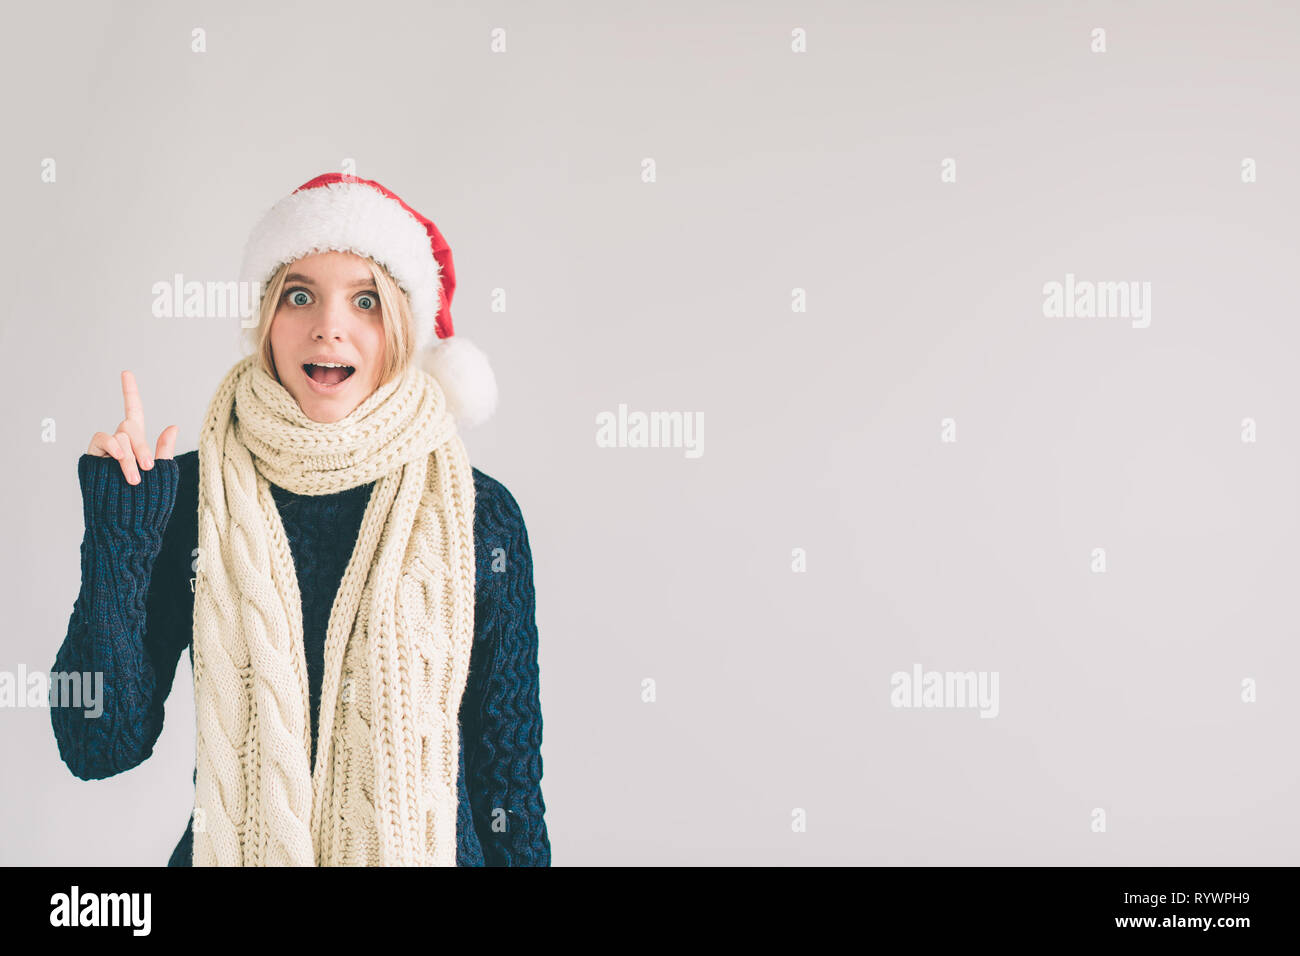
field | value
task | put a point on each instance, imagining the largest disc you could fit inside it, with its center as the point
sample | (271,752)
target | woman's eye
(293,296)
(367,301)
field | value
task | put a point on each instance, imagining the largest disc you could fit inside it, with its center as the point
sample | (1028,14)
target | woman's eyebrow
(299,277)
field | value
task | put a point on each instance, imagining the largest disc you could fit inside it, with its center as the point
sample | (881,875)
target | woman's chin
(325,409)
(327,404)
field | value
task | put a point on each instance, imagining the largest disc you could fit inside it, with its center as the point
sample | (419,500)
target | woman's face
(328,312)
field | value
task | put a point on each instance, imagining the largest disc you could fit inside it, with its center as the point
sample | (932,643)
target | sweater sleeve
(504,730)
(121,629)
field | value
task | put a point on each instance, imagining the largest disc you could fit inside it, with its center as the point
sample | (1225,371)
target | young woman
(357,600)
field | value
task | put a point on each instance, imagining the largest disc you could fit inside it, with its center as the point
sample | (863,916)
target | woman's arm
(503,731)
(123,631)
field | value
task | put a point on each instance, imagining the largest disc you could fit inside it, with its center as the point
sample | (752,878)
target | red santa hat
(341,212)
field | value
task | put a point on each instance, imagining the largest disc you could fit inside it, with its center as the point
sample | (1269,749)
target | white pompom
(465,375)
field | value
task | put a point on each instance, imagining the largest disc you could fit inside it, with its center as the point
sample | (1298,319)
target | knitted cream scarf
(382,791)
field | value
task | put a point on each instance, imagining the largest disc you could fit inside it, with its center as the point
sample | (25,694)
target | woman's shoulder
(495,508)
(498,532)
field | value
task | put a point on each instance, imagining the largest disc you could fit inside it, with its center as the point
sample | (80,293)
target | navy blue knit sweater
(134,617)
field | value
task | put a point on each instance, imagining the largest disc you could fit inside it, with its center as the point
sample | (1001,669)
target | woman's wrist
(108,498)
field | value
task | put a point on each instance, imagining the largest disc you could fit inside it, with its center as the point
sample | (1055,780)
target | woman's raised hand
(127,444)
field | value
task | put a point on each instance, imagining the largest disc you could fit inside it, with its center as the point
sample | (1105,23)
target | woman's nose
(329,322)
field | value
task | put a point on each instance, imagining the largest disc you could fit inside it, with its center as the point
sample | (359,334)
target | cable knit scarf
(382,791)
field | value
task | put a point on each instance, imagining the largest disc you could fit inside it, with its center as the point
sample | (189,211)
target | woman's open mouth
(326,378)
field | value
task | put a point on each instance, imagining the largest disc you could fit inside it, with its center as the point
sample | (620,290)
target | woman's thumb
(167,442)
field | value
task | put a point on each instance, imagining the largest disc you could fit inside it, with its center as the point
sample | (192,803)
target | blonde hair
(394,307)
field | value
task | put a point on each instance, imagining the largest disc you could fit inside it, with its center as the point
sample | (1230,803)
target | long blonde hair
(394,307)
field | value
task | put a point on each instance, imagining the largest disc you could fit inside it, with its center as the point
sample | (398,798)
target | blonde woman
(357,599)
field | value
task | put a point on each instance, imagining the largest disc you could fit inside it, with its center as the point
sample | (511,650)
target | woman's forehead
(331,266)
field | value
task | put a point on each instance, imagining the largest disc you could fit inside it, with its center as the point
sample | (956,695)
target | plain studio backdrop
(826,228)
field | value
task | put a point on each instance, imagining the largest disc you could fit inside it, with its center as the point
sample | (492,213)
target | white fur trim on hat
(466,378)
(349,217)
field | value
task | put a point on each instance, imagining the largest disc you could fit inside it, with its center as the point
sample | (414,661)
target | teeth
(329,364)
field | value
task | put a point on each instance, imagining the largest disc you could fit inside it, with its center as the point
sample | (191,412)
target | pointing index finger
(131,398)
